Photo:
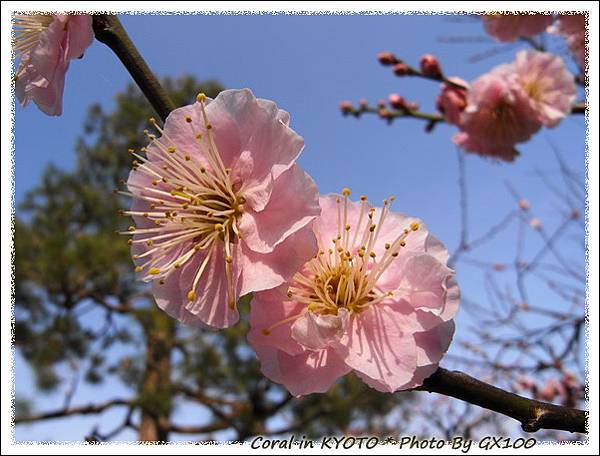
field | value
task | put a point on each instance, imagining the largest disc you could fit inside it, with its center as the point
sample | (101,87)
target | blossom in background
(547,81)
(573,28)
(46,43)
(377,299)
(510,27)
(452,100)
(498,115)
(220,207)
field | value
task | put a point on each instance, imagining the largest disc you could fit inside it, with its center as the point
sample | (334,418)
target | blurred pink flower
(549,84)
(498,115)
(552,389)
(378,299)
(46,45)
(510,27)
(452,100)
(573,28)
(220,207)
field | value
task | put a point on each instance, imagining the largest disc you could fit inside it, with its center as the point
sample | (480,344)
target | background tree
(80,315)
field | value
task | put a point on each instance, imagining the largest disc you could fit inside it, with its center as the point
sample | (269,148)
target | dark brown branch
(108,30)
(91,409)
(533,415)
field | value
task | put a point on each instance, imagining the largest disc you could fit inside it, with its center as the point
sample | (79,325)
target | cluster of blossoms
(222,210)
(566,390)
(46,43)
(509,104)
(510,27)
(505,106)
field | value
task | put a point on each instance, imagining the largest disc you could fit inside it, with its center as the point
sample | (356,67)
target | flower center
(27,29)
(533,89)
(194,206)
(346,274)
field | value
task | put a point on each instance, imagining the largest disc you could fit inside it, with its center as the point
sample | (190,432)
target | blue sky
(308,64)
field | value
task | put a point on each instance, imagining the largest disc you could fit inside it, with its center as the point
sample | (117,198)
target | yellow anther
(131,228)
(129,241)
(171,149)
(131,151)
(153,271)
(363,198)
(346,191)
(198,135)
(347,227)
(372,254)
(228,259)
(188,119)
(392,198)
(290,294)
(201,97)
(149,242)
(414,226)
(231,304)
(138,268)
(191,295)
(219,227)
(387,246)
(402,243)
(265,331)
(187,157)
(372,228)
(208,126)
(152,120)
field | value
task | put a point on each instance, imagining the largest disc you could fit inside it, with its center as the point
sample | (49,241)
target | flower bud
(396,101)
(401,69)
(346,107)
(387,58)
(430,66)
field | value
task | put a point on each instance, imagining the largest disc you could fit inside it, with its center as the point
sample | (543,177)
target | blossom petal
(296,205)
(377,346)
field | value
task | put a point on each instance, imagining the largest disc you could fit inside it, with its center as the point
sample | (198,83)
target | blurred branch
(108,30)
(533,415)
(81,410)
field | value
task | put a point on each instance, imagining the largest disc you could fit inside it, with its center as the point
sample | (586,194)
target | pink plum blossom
(220,207)
(546,80)
(510,27)
(46,44)
(573,28)
(452,101)
(498,115)
(377,299)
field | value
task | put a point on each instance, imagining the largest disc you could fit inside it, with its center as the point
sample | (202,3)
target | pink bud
(387,58)
(523,204)
(396,101)
(412,106)
(430,66)
(381,103)
(535,223)
(363,102)
(401,69)
(346,107)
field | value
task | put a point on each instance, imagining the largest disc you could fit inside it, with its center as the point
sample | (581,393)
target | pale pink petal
(306,373)
(211,305)
(170,300)
(264,271)
(510,27)
(317,332)
(271,317)
(296,205)
(378,346)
